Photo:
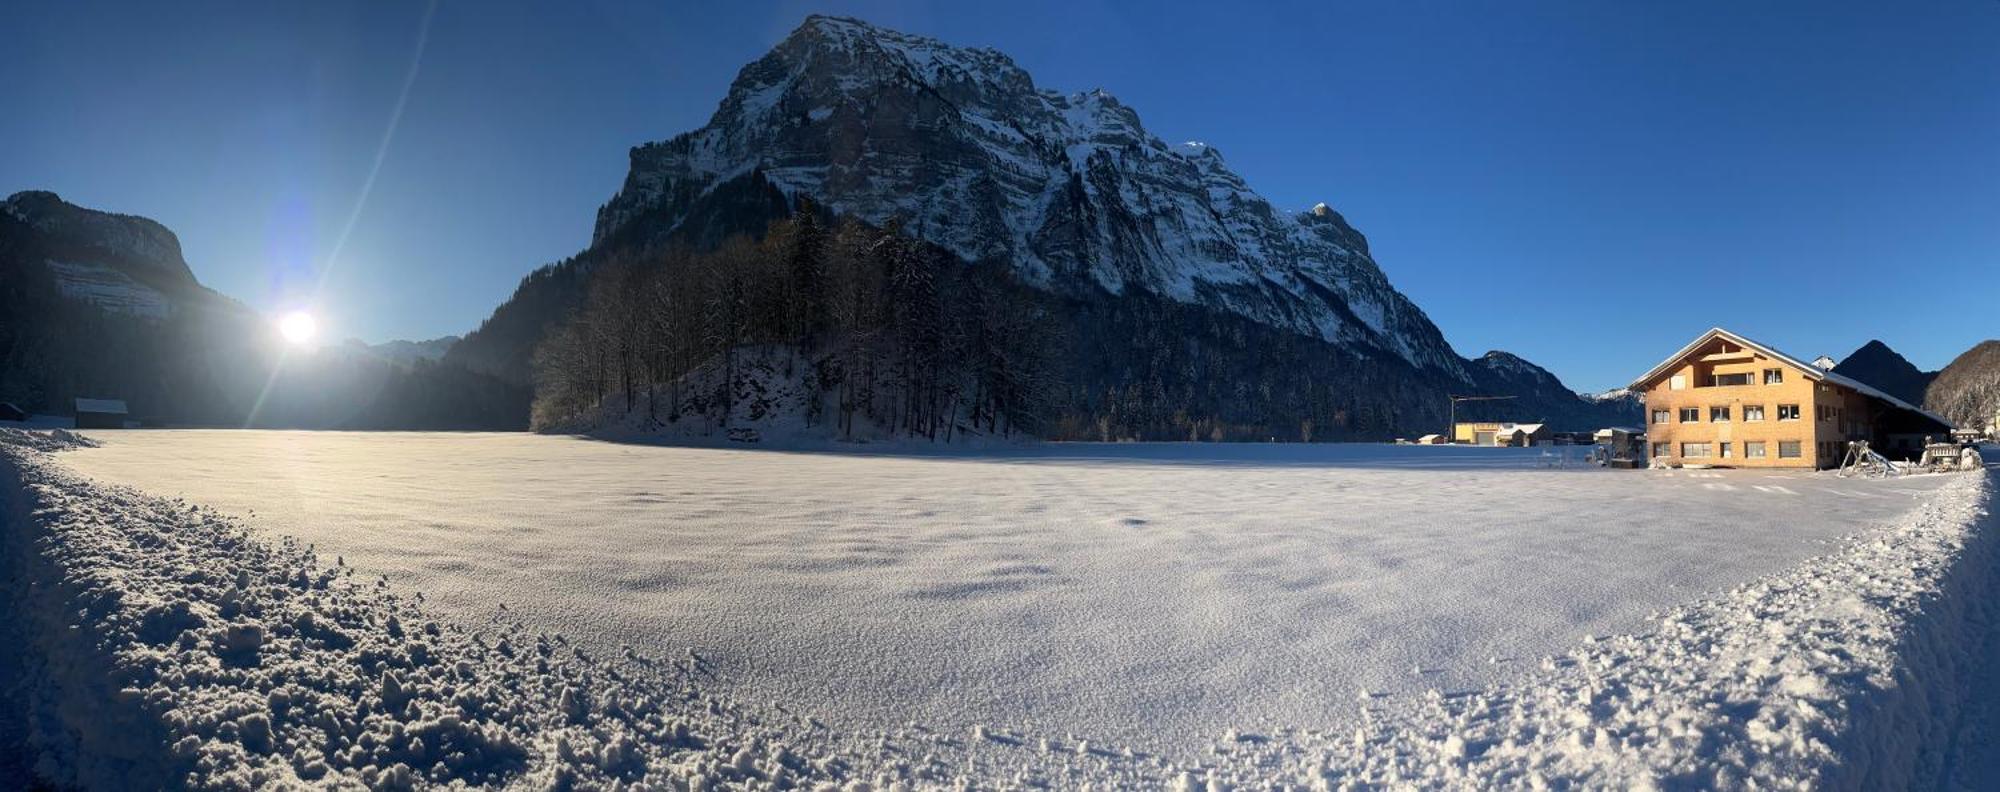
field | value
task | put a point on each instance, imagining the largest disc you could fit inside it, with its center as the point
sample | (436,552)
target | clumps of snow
(49,440)
(1861,669)
(160,645)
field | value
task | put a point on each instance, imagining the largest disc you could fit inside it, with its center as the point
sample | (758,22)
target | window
(1753,412)
(1753,449)
(1662,416)
(1718,414)
(1676,382)
(1663,449)
(1690,415)
(1725,450)
(1729,379)
(1774,376)
(1694,450)
(1788,449)
(1788,412)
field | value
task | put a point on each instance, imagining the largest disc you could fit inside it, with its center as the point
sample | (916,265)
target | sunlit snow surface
(1149,595)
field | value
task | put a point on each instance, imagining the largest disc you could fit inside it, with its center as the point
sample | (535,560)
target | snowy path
(1148,596)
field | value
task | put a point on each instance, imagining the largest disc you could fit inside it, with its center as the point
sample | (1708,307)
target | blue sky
(1585,184)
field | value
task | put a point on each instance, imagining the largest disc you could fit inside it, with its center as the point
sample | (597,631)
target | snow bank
(1858,670)
(160,646)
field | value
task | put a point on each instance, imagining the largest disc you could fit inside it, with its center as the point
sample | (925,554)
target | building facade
(1727,401)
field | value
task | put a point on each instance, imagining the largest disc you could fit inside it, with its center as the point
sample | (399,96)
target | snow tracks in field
(1863,669)
(154,644)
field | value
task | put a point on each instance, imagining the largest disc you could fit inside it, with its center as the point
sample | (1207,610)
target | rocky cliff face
(120,263)
(1182,290)
(966,151)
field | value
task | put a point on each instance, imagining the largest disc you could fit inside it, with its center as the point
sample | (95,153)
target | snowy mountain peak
(1070,191)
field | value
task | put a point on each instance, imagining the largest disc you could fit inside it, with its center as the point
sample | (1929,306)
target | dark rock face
(1878,365)
(1967,392)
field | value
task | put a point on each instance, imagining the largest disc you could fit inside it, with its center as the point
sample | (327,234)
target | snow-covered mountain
(1071,190)
(1181,291)
(403,351)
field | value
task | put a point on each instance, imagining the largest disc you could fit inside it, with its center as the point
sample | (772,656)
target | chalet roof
(107,406)
(1521,427)
(1811,372)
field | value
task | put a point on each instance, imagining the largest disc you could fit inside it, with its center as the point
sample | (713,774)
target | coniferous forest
(876,333)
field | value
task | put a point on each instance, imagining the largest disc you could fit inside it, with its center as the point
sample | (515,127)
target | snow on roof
(1811,371)
(1519,428)
(110,406)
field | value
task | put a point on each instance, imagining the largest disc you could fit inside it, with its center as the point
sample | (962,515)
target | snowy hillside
(1071,190)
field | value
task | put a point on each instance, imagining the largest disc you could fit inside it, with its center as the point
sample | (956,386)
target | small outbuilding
(1522,435)
(100,413)
(1433,439)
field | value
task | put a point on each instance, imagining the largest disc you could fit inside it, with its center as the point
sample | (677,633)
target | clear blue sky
(1586,184)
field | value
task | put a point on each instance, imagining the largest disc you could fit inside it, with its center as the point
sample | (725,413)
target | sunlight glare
(298,327)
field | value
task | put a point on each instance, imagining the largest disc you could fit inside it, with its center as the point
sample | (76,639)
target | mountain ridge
(1885,369)
(979,160)
(958,148)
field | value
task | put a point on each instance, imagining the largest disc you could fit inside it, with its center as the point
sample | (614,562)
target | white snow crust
(983,618)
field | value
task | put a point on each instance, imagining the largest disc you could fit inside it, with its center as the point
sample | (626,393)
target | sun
(298,327)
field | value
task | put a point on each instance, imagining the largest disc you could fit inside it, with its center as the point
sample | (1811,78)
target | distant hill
(1968,390)
(1878,365)
(98,304)
(402,351)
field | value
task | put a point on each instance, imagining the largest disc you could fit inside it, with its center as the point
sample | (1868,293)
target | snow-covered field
(1125,616)
(1149,596)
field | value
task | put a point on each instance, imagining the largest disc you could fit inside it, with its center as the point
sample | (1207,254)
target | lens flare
(298,327)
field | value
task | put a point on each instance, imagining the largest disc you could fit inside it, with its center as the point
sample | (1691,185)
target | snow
(659,614)
(109,288)
(162,646)
(1142,596)
(1206,236)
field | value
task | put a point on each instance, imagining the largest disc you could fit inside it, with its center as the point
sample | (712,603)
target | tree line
(880,334)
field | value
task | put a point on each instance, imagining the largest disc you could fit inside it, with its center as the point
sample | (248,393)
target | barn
(100,413)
